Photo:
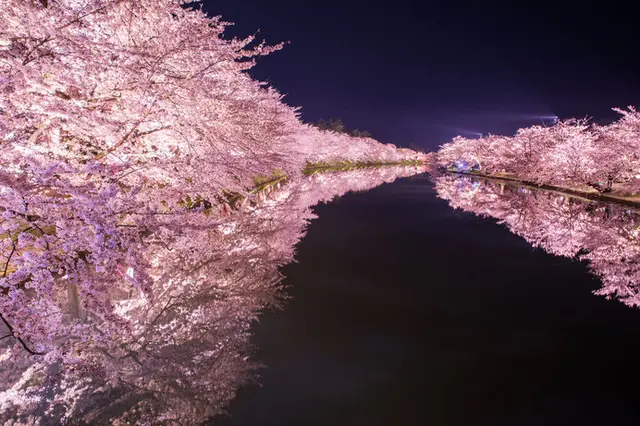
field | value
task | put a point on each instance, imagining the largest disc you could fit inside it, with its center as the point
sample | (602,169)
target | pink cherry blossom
(135,246)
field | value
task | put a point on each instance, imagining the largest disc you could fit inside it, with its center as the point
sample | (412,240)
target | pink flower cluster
(571,153)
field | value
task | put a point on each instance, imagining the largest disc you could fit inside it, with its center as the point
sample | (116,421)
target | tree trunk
(76,310)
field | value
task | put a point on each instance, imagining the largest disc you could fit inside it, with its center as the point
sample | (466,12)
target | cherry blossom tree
(136,246)
(571,153)
(121,123)
(619,148)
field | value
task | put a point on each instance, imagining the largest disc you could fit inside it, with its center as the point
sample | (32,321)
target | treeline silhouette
(336,125)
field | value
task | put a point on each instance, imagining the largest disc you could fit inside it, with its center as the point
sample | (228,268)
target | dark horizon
(420,74)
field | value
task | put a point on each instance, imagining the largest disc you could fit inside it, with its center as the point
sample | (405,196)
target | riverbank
(265,183)
(340,166)
(633,201)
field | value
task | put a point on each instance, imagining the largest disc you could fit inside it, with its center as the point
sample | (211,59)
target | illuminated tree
(122,121)
(136,245)
(570,153)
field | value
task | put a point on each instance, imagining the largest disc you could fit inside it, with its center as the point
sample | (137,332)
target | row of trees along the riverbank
(571,153)
(122,124)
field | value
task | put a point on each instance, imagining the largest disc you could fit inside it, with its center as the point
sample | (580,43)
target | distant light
(552,118)
(470,133)
(464,132)
(130,272)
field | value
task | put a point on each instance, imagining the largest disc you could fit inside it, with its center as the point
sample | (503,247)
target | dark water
(407,312)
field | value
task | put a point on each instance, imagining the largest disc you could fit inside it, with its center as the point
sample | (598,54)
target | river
(405,311)
(412,300)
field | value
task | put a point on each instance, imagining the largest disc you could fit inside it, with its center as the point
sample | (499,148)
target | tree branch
(22,342)
(6,265)
(81,17)
(28,58)
(133,132)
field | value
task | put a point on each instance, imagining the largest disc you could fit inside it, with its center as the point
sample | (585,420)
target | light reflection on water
(184,350)
(606,235)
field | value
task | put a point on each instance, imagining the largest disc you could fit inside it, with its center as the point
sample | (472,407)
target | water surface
(405,311)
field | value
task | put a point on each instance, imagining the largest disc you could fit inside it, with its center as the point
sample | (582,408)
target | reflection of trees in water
(605,235)
(183,348)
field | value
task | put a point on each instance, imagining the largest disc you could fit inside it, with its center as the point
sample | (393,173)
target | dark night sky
(422,72)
